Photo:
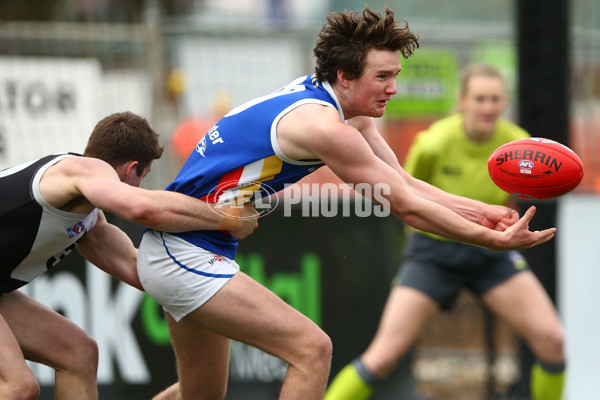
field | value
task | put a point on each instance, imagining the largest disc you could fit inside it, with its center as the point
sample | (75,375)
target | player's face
(371,92)
(483,103)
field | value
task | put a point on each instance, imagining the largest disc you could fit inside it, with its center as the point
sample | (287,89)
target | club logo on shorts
(215,259)
(518,260)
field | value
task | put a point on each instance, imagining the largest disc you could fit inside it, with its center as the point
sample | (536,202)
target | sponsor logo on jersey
(201,147)
(451,170)
(77,229)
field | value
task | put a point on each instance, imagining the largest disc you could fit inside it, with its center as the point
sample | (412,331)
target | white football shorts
(178,275)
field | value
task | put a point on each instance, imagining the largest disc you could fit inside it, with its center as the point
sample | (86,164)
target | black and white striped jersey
(34,235)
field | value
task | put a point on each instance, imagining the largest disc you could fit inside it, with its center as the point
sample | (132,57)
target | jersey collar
(329,89)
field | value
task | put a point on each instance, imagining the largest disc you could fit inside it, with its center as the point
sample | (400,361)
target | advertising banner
(47,105)
(427,85)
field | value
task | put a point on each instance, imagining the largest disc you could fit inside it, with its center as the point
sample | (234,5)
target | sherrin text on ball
(535,168)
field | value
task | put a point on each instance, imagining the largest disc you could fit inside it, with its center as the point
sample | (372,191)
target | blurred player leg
(523,303)
(406,312)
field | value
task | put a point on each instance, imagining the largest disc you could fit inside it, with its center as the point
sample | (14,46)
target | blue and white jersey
(239,158)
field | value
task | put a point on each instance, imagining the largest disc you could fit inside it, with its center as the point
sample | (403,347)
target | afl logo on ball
(526,166)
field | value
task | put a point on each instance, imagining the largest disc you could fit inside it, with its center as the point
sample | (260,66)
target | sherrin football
(535,168)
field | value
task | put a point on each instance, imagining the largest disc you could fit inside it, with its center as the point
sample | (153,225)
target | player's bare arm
(78,184)
(491,216)
(347,153)
(357,163)
(368,129)
(111,250)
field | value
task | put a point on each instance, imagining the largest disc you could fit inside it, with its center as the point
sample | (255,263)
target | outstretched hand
(498,218)
(518,235)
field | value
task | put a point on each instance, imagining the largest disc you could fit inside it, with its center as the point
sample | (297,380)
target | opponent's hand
(244,219)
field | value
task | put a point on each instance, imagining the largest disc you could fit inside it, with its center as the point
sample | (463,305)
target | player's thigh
(406,311)
(202,358)
(12,367)
(246,311)
(44,335)
(524,304)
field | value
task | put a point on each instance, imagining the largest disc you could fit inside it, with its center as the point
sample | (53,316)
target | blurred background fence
(172,60)
(64,64)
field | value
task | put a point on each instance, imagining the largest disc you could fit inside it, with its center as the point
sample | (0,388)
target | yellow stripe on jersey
(271,166)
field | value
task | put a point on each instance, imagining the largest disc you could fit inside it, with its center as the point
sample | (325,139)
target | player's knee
(316,349)
(551,346)
(324,347)
(385,365)
(30,389)
(24,388)
(557,344)
(88,356)
(83,357)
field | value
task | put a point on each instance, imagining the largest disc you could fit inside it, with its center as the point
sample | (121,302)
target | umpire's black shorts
(440,268)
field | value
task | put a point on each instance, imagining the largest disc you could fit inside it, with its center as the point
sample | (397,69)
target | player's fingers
(513,217)
(545,235)
(526,218)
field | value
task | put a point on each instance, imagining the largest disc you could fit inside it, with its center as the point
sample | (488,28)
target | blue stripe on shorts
(195,271)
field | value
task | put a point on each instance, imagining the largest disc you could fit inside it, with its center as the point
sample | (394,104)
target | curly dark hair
(346,38)
(123,137)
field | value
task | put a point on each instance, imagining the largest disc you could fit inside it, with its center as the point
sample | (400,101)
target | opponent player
(323,118)
(51,205)
(452,155)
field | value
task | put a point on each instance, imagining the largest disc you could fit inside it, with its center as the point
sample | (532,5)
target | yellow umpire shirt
(444,157)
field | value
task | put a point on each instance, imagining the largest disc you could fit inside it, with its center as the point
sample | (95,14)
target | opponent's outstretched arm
(163,210)
(110,249)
